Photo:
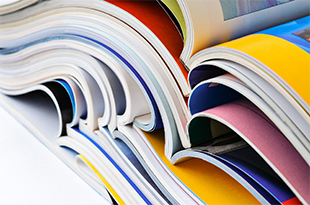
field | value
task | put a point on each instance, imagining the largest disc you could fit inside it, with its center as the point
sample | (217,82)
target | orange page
(287,60)
(208,182)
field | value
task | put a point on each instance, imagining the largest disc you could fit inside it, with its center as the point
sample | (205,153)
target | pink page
(266,137)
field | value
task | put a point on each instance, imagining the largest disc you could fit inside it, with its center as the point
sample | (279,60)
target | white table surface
(31,174)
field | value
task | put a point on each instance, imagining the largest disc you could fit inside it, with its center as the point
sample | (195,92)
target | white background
(31,174)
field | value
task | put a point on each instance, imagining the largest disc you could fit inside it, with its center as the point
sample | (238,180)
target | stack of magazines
(166,101)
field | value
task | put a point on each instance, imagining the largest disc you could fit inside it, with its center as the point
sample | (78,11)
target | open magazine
(132,97)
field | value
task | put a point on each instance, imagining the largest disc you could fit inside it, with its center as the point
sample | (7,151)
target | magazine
(155,103)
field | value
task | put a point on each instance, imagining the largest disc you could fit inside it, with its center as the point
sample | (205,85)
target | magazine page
(174,7)
(216,21)
(164,37)
(259,132)
(7,6)
(245,166)
(195,175)
(110,166)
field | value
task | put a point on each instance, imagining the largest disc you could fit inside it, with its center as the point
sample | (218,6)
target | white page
(5,2)
(32,174)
